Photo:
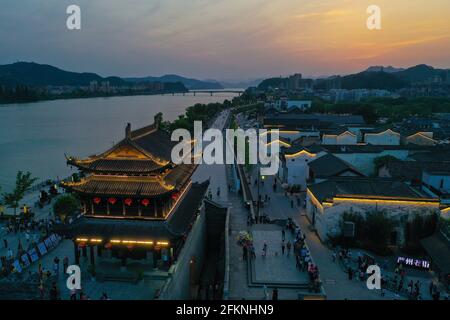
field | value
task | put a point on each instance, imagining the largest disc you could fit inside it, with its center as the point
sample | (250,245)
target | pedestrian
(282,247)
(266,293)
(65,264)
(292,204)
(431,288)
(288,247)
(10,254)
(244,253)
(400,286)
(54,292)
(104,296)
(5,243)
(283,234)
(275,294)
(73,294)
(350,274)
(253,253)
(41,290)
(264,249)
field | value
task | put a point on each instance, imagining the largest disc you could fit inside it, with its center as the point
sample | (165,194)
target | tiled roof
(154,145)
(137,229)
(412,170)
(312,120)
(115,187)
(119,166)
(330,166)
(363,187)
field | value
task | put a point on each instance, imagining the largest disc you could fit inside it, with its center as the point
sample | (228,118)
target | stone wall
(178,286)
(328,218)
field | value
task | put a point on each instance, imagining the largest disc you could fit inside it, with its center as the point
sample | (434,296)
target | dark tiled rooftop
(329,166)
(363,187)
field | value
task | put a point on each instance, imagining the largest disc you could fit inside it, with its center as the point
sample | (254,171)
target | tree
(66,205)
(380,162)
(378,228)
(24,181)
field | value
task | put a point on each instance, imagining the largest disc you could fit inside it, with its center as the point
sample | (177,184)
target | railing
(226,281)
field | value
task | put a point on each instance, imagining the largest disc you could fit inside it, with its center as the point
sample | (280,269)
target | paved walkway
(275,267)
(335,281)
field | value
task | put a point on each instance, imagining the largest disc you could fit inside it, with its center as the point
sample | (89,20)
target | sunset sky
(223,39)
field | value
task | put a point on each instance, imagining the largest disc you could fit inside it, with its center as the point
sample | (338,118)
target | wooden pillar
(91,253)
(155,258)
(76,252)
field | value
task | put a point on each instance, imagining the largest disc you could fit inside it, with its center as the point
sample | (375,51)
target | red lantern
(128,201)
(130,247)
(112,201)
(82,245)
(97,200)
(145,202)
(175,196)
(108,245)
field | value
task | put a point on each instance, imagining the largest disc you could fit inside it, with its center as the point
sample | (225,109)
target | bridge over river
(207,91)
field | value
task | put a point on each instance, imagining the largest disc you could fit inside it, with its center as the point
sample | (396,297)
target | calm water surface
(34,137)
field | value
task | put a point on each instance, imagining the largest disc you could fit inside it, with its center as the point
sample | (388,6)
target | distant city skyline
(225,39)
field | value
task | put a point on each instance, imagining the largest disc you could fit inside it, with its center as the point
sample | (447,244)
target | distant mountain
(192,84)
(34,74)
(389,69)
(421,73)
(375,77)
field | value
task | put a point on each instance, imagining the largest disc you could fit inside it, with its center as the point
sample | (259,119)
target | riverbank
(89,96)
(35,136)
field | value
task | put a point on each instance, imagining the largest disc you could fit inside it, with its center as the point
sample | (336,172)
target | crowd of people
(29,232)
(398,283)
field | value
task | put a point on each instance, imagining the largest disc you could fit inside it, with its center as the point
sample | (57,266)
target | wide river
(34,137)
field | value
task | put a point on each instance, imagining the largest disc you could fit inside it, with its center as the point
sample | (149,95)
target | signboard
(414,263)
(42,249)
(55,239)
(17,266)
(25,260)
(33,255)
(48,243)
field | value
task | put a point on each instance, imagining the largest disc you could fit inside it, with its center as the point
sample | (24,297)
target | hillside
(34,74)
(375,77)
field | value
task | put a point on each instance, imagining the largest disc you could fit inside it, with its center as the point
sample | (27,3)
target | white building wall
(364,161)
(327,220)
(385,138)
(346,138)
(298,169)
(329,139)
